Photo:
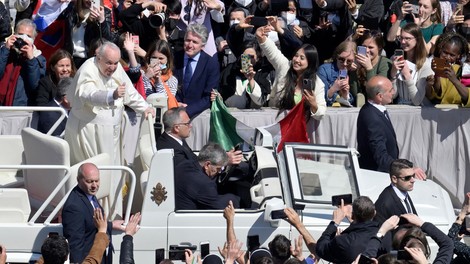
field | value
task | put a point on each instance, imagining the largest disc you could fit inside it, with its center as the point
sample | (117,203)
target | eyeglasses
(406,39)
(406,178)
(218,169)
(343,60)
(183,124)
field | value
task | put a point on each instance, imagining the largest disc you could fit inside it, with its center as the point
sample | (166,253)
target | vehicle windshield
(323,174)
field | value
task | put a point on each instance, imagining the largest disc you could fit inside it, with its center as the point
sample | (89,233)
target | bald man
(78,211)
(376,139)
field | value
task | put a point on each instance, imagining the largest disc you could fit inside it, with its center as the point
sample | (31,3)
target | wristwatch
(379,235)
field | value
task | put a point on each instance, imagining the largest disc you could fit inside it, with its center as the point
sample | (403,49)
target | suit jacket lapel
(397,201)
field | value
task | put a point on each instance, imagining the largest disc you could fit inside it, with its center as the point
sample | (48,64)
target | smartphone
(205,248)
(403,255)
(365,260)
(362,50)
(278,214)
(246,62)
(176,254)
(399,53)
(252,243)
(343,74)
(259,21)
(96,4)
(365,31)
(441,64)
(336,199)
(135,39)
(159,255)
(153,62)
(415,9)
(238,146)
(307,84)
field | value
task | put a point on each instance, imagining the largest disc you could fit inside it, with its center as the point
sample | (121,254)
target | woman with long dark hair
(296,79)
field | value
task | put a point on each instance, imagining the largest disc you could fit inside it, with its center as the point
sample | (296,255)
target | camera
(19,43)
(156,20)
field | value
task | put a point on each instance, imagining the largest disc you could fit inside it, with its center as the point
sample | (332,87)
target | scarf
(172,102)
(8,82)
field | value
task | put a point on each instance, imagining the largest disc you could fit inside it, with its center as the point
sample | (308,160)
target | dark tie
(386,115)
(188,73)
(408,207)
(95,203)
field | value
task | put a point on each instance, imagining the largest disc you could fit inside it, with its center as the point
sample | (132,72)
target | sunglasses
(407,178)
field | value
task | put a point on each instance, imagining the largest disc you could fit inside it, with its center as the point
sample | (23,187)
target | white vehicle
(302,176)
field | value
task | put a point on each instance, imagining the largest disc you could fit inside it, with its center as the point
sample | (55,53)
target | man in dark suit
(345,247)
(376,139)
(195,181)
(197,72)
(48,118)
(177,128)
(394,199)
(77,215)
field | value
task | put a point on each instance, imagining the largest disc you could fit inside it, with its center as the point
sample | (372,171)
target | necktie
(386,115)
(188,74)
(94,202)
(408,207)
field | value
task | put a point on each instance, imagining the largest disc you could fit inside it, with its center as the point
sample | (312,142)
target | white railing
(39,109)
(62,183)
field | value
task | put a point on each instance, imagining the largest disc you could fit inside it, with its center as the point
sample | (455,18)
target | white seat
(44,149)
(14,156)
(14,205)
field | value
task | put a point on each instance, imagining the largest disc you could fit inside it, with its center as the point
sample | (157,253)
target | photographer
(21,66)
(150,20)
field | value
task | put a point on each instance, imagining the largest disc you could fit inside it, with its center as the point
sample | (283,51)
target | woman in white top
(288,87)
(411,71)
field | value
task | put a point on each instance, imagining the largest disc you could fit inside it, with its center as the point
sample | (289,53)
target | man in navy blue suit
(197,72)
(48,118)
(77,215)
(195,184)
(376,139)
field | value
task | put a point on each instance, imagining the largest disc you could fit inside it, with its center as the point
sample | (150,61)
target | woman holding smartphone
(159,77)
(288,89)
(410,72)
(449,87)
(339,77)
(370,62)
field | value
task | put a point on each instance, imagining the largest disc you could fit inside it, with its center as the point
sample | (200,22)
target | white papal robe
(94,124)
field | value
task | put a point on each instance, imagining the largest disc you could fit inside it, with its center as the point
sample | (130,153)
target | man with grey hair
(102,89)
(21,66)
(48,118)
(195,185)
(197,72)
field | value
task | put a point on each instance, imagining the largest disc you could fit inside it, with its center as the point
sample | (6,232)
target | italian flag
(292,128)
(225,129)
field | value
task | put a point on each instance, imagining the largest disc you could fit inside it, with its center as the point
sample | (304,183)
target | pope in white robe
(94,125)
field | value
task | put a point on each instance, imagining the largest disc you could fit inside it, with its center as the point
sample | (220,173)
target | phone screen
(362,50)
(343,74)
(365,260)
(259,21)
(205,249)
(404,255)
(159,255)
(336,199)
(252,243)
(278,214)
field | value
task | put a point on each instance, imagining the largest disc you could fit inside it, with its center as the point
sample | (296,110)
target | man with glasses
(177,127)
(395,198)
(195,185)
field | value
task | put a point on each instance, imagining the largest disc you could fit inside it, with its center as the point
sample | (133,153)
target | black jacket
(127,250)
(345,247)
